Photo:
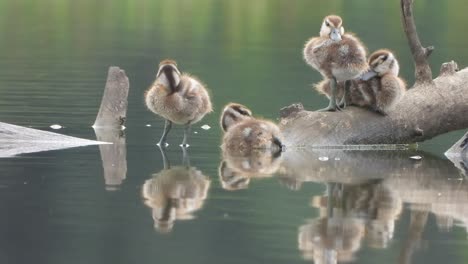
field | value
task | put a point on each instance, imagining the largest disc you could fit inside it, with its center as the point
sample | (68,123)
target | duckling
(245,133)
(379,89)
(337,55)
(177,97)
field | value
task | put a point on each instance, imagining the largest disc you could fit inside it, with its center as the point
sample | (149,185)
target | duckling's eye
(385,57)
(327,24)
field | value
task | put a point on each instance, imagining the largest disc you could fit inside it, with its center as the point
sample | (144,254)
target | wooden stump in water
(113,110)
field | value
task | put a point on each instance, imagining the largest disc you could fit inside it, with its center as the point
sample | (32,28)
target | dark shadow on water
(175,193)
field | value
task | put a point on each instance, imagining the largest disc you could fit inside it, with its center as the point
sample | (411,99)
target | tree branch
(426,110)
(423,73)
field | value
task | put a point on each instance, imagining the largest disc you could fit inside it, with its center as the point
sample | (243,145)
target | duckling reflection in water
(175,193)
(379,89)
(347,216)
(177,97)
(337,55)
(251,147)
(236,171)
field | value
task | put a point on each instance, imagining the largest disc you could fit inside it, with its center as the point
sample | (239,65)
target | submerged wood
(15,140)
(113,110)
(426,110)
(114,157)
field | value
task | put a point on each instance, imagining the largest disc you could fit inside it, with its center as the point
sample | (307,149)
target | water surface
(73,206)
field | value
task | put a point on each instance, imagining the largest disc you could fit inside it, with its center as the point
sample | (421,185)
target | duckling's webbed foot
(167,128)
(166,163)
(188,128)
(185,157)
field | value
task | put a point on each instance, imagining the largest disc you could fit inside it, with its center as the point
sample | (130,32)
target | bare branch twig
(423,73)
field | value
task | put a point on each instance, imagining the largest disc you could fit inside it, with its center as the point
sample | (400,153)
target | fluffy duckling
(379,89)
(177,97)
(245,134)
(337,55)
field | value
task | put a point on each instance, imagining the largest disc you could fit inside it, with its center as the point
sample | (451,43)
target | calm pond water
(73,206)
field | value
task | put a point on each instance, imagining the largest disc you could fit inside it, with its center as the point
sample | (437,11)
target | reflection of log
(342,166)
(416,228)
(114,157)
(15,140)
(429,109)
(113,110)
(431,185)
(331,240)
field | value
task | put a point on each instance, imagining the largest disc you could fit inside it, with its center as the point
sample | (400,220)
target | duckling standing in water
(338,56)
(379,89)
(245,134)
(177,97)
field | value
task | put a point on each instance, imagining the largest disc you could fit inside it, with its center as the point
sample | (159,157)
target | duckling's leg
(188,128)
(185,157)
(167,128)
(343,102)
(166,163)
(332,106)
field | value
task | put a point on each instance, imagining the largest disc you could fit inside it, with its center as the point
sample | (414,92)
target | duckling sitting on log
(337,55)
(244,133)
(379,89)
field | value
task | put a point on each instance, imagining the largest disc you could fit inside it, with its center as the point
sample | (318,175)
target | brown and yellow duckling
(177,97)
(244,133)
(379,89)
(337,55)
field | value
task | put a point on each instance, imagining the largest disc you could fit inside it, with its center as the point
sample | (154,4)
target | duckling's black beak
(335,34)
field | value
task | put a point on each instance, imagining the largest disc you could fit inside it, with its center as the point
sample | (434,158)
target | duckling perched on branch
(379,89)
(338,56)
(177,97)
(245,133)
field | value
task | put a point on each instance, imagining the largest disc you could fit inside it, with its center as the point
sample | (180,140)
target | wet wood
(16,140)
(114,157)
(113,110)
